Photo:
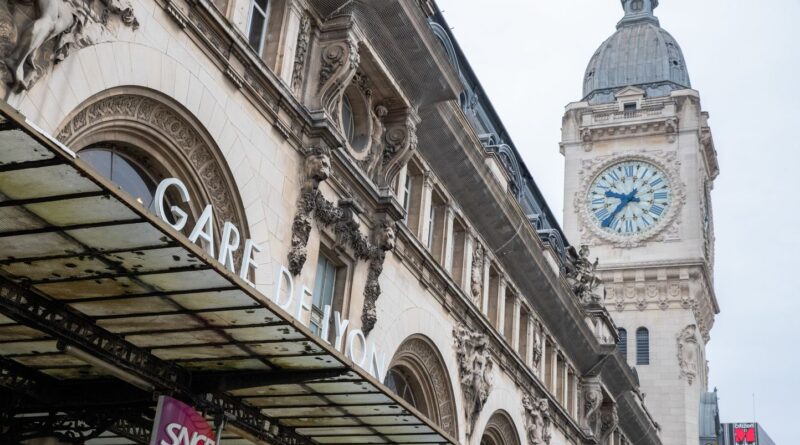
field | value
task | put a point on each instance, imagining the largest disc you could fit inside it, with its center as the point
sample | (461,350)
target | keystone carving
(583,277)
(48,31)
(592,401)
(537,420)
(476,285)
(474,369)
(688,352)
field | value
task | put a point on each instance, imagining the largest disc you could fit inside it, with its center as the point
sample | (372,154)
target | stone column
(466,275)
(501,306)
(425,208)
(515,326)
(448,240)
(487,264)
(531,337)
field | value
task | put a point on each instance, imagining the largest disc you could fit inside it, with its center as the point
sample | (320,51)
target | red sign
(177,423)
(744,434)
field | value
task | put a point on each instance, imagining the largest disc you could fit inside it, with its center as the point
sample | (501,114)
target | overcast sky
(744,58)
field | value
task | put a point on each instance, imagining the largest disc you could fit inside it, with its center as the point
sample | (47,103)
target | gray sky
(743,57)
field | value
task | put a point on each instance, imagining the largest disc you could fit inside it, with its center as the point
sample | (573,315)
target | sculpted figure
(476,286)
(537,421)
(317,167)
(582,275)
(475,367)
(56,16)
(385,238)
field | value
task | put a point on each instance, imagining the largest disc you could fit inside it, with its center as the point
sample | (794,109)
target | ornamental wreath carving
(474,369)
(666,229)
(344,221)
(609,420)
(43,32)
(537,420)
(688,353)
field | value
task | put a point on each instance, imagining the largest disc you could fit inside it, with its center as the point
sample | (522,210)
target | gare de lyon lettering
(363,353)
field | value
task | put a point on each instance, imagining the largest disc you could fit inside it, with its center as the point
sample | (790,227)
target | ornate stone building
(640,167)
(305,219)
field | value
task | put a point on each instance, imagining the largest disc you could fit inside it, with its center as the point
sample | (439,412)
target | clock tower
(640,167)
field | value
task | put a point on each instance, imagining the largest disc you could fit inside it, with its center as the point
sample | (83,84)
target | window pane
(642,347)
(348,125)
(330,282)
(324,283)
(262,4)
(622,346)
(256,32)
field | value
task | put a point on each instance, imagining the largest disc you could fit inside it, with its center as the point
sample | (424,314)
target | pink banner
(177,423)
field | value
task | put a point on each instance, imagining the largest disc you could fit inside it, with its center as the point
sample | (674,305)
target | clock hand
(610,194)
(624,201)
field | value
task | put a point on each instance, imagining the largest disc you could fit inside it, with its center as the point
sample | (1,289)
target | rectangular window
(329,284)
(407,194)
(257,24)
(561,369)
(458,247)
(523,335)
(508,322)
(642,346)
(494,297)
(549,354)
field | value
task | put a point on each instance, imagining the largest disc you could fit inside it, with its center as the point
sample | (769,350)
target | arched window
(119,165)
(622,344)
(417,374)
(500,430)
(642,346)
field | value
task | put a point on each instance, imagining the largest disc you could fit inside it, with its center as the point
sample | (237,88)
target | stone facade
(332,140)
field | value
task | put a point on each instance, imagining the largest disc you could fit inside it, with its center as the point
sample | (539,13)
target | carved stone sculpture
(474,369)
(316,169)
(8,41)
(688,353)
(537,420)
(384,242)
(592,401)
(537,345)
(303,39)
(71,24)
(476,286)
(609,419)
(582,276)
(339,64)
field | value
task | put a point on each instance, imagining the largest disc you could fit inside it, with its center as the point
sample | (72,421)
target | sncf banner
(177,423)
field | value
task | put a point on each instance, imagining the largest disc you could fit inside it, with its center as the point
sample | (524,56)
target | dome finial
(638,11)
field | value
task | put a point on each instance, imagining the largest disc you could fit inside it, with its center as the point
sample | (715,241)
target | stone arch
(500,430)
(422,366)
(170,135)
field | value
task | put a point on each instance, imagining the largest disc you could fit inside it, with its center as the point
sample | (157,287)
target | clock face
(629,198)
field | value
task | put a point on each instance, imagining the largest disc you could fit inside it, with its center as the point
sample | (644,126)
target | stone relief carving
(316,169)
(592,401)
(537,420)
(667,228)
(344,220)
(154,114)
(474,368)
(50,30)
(303,40)
(583,277)
(476,285)
(688,353)
(609,420)
(538,335)
(339,63)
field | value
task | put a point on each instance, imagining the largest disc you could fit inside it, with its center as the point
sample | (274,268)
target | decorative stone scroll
(609,420)
(339,64)
(48,31)
(474,369)
(688,353)
(537,420)
(592,401)
(344,220)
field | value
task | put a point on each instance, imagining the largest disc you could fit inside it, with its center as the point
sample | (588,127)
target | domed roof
(640,54)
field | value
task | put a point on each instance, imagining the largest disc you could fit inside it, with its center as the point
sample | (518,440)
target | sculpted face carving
(318,165)
(386,234)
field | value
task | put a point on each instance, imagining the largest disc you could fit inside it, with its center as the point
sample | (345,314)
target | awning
(95,291)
